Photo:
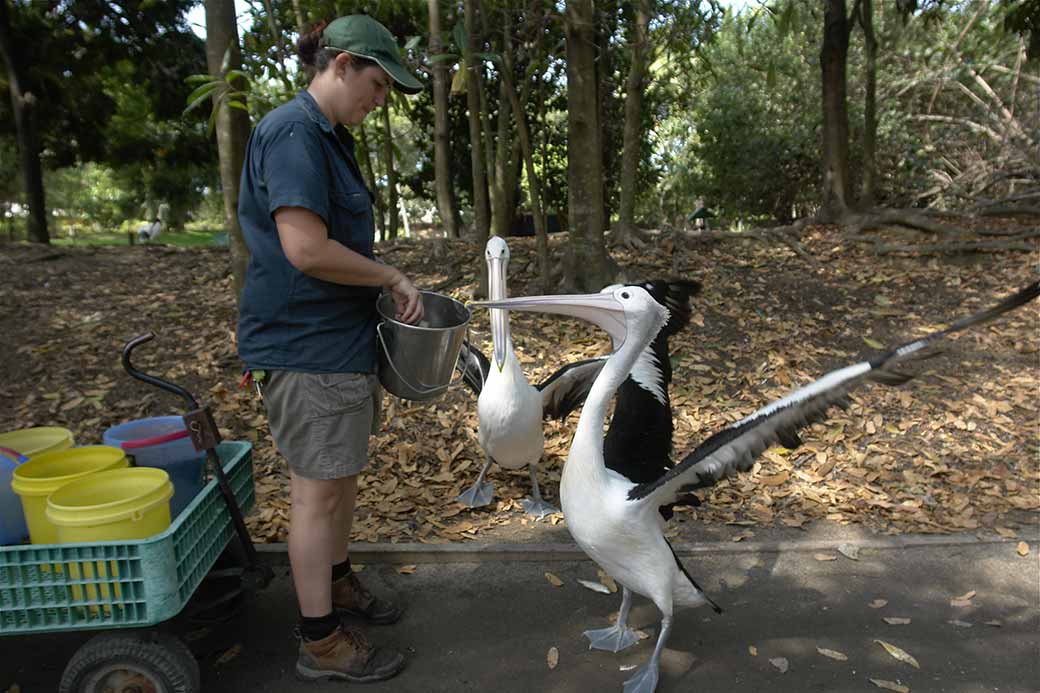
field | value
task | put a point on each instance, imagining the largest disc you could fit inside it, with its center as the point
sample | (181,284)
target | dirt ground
(954,450)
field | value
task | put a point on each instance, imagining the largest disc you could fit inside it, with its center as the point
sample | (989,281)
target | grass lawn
(196,234)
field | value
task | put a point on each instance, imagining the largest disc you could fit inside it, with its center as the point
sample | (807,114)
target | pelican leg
(480,493)
(618,636)
(534,505)
(645,678)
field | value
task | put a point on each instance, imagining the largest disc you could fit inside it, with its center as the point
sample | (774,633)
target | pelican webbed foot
(481,493)
(612,639)
(536,506)
(644,680)
(618,636)
(478,495)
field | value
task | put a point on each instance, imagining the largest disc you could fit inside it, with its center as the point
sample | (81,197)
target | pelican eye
(624,294)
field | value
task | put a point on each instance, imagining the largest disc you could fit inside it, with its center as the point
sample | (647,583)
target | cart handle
(151,379)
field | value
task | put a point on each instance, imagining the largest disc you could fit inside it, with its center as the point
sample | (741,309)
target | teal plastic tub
(113,584)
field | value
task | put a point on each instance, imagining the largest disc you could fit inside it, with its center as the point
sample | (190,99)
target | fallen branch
(1018,233)
(957,247)
(785,234)
(902,217)
(1009,211)
(46,257)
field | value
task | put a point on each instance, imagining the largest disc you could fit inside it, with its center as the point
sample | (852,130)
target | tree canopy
(939,95)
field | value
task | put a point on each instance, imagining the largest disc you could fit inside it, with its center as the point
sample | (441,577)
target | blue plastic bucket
(12,520)
(163,442)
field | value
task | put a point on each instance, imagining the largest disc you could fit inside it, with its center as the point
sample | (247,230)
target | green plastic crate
(61,587)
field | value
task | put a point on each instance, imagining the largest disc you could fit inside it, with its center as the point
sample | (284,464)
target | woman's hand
(407,299)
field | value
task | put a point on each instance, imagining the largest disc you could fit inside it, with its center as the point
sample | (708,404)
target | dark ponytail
(313,57)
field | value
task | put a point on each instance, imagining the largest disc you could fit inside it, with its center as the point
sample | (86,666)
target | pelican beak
(499,318)
(602,310)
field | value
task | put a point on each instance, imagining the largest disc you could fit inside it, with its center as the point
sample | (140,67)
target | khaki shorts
(321,421)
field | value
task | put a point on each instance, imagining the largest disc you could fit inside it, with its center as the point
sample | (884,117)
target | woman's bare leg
(344,519)
(313,534)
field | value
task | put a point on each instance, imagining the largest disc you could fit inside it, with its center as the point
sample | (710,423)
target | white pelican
(615,521)
(510,410)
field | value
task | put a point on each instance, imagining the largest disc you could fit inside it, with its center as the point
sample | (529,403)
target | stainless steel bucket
(417,361)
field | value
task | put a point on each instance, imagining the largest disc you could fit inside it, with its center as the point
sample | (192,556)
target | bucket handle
(421,390)
(154,440)
(16,457)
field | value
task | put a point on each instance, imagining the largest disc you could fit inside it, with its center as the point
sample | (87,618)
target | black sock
(319,627)
(341,570)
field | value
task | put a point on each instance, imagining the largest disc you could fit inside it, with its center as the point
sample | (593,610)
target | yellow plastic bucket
(36,441)
(114,505)
(44,474)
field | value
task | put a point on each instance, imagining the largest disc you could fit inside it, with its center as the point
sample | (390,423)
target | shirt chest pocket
(351,220)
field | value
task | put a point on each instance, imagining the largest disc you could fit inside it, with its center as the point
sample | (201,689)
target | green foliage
(69,56)
(87,199)
(1023,17)
(231,89)
(739,130)
(731,114)
(109,78)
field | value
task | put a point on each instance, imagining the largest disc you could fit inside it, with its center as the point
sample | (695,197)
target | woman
(307,318)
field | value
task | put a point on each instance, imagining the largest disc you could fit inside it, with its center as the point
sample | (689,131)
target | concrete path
(488,624)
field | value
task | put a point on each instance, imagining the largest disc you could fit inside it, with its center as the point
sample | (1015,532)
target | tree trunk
(23,105)
(446,204)
(507,159)
(279,42)
(633,133)
(485,110)
(836,192)
(502,181)
(869,192)
(232,127)
(586,264)
(533,182)
(392,216)
(365,160)
(301,24)
(480,189)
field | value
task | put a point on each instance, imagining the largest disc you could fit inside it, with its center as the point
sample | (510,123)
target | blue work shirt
(288,320)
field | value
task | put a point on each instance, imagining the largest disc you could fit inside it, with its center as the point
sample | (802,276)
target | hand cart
(121,585)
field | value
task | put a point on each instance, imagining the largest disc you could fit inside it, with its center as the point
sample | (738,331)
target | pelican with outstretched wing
(616,521)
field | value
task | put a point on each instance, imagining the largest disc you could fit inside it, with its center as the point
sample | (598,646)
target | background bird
(617,522)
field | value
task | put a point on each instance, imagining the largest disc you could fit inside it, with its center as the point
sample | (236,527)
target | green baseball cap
(360,35)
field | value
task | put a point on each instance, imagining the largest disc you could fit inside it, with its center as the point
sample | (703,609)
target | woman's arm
(309,249)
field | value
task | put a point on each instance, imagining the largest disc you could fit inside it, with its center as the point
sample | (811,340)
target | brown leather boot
(350,596)
(347,654)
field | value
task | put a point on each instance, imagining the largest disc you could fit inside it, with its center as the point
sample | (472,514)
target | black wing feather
(566,389)
(640,422)
(473,366)
(675,295)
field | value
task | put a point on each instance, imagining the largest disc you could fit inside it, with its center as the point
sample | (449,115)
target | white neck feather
(585,460)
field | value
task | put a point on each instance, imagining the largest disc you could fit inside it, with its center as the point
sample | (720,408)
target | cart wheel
(148,662)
